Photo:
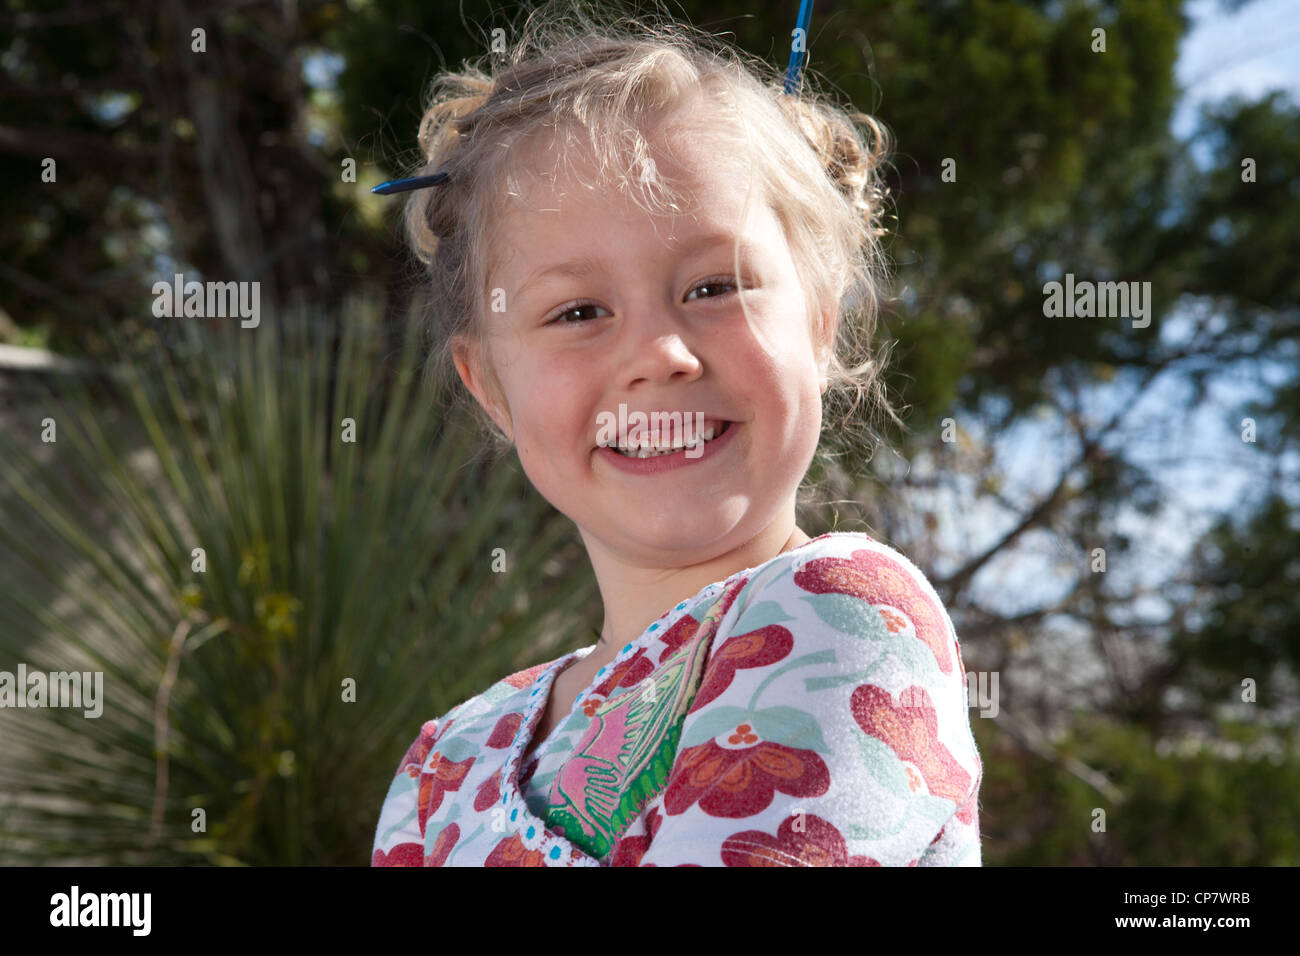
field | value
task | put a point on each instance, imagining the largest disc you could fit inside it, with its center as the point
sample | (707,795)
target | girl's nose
(663,356)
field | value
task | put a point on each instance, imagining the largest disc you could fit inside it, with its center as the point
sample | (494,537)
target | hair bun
(444,126)
(853,168)
(449,119)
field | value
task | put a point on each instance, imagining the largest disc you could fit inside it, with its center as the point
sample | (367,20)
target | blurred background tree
(1120,689)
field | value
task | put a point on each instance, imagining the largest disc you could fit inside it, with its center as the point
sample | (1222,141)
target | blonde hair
(569,73)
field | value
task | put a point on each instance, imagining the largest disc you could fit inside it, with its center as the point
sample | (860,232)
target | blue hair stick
(793,73)
(406,185)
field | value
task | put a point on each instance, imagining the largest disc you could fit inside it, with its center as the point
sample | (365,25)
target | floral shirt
(811,711)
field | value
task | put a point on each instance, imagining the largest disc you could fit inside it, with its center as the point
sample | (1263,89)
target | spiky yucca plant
(282,556)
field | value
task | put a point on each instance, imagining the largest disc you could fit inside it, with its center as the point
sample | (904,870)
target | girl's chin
(682,529)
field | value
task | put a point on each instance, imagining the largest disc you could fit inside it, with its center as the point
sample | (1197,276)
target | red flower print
(819,844)
(404,854)
(679,634)
(413,760)
(892,621)
(511,852)
(757,648)
(687,626)
(741,783)
(743,735)
(442,845)
(521,679)
(638,667)
(880,579)
(627,674)
(909,728)
(443,775)
(628,850)
(503,734)
(590,704)
(488,794)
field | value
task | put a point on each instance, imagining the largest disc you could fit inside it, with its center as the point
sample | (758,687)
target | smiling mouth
(647,450)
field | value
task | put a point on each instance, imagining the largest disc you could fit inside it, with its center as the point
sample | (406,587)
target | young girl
(641,246)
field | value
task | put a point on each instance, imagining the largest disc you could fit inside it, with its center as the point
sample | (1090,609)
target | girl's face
(649,318)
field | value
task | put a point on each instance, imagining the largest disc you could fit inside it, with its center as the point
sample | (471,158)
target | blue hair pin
(406,185)
(793,75)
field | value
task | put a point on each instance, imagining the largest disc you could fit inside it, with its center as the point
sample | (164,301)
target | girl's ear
(474,373)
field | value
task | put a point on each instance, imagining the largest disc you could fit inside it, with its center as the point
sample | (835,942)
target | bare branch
(1033,740)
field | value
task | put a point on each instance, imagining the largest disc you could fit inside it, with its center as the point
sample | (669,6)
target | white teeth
(645,449)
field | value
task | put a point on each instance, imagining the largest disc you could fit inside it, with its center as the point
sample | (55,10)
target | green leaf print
(767,577)
(461,844)
(649,783)
(789,727)
(762,614)
(850,615)
(542,783)
(707,725)
(499,692)
(857,618)
(457,748)
(388,834)
(884,765)
(916,656)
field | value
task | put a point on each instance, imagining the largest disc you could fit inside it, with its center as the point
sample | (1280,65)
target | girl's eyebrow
(580,267)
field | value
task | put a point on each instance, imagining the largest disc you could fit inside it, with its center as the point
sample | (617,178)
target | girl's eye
(716,283)
(569,310)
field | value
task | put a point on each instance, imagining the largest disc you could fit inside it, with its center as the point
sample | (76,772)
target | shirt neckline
(531,830)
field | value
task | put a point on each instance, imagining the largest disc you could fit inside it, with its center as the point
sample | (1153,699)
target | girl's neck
(611,641)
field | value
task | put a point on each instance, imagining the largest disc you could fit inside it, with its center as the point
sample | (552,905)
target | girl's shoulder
(851,563)
(845,584)
(830,722)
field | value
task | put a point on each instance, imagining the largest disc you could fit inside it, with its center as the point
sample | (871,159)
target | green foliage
(326,561)
(1227,799)
(1247,574)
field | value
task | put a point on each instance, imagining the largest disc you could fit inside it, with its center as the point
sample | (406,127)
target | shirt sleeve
(830,727)
(399,837)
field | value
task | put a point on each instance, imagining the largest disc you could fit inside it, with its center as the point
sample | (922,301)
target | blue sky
(1246,53)
(1197,455)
